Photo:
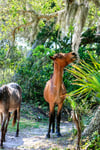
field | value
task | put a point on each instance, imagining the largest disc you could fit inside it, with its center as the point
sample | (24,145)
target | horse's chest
(60,95)
(59,99)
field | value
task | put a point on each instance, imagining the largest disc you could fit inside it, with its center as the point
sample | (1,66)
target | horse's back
(15,86)
(15,95)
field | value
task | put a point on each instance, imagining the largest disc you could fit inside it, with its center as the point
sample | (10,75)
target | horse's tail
(14,117)
(1,118)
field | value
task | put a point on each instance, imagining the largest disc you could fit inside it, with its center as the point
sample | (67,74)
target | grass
(24,123)
(30,112)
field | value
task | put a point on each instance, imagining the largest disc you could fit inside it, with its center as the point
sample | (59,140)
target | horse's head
(63,59)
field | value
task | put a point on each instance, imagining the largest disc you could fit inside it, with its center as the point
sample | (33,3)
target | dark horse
(10,101)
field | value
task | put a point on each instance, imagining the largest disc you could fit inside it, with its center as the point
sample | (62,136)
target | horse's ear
(59,55)
(51,57)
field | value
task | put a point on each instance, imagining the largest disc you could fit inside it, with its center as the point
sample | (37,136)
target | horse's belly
(12,109)
(1,108)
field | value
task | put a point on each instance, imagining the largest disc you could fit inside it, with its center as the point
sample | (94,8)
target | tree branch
(17,28)
(28,11)
(49,16)
(90,36)
(88,40)
(97,3)
(36,19)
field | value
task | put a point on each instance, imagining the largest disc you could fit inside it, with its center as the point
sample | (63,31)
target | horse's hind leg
(51,107)
(6,125)
(58,119)
(18,118)
(53,122)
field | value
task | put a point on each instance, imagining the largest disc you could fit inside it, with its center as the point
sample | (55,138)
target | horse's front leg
(51,114)
(58,119)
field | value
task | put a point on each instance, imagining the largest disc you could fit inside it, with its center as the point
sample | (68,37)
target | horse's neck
(57,77)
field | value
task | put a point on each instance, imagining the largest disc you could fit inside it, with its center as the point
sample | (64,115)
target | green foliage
(24,123)
(87,92)
(33,73)
(2,57)
(87,78)
(8,63)
(14,55)
(94,143)
(16,13)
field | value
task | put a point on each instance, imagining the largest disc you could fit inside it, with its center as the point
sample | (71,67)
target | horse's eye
(59,56)
(74,54)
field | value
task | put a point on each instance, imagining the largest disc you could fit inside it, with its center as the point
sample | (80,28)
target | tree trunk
(94,124)
(76,119)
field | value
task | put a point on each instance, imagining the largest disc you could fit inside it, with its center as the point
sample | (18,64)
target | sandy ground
(34,139)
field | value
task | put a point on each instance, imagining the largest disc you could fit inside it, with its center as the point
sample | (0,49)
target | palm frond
(87,78)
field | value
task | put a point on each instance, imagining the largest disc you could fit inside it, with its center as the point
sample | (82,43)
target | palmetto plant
(87,78)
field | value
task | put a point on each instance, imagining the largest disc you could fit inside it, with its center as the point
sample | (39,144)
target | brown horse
(10,101)
(55,91)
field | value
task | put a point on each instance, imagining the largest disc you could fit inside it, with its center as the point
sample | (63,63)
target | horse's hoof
(59,135)
(16,135)
(4,140)
(1,145)
(48,136)
(78,147)
(53,131)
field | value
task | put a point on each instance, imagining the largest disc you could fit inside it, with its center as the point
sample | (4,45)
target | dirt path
(34,139)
